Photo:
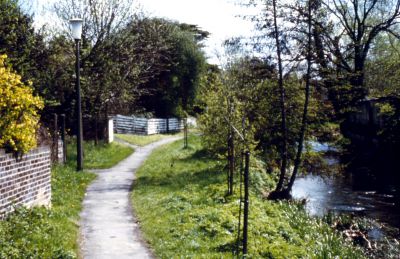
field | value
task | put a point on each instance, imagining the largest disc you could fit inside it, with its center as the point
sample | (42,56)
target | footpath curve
(108,228)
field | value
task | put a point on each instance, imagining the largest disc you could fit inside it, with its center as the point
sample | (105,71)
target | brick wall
(25,182)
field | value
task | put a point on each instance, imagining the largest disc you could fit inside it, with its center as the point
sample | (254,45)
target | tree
(285,34)
(144,55)
(282,101)
(190,65)
(102,20)
(16,36)
(304,120)
(269,22)
(274,32)
(27,51)
(232,99)
(382,80)
(382,67)
(345,40)
(130,61)
(173,63)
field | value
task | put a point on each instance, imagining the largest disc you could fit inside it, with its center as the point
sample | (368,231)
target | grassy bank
(47,233)
(53,233)
(179,198)
(142,140)
(99,156)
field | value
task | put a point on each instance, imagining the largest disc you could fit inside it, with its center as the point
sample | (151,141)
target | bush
(18,111)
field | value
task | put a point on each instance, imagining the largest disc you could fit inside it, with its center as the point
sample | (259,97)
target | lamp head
(76,28)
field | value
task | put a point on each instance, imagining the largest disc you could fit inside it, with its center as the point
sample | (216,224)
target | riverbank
(179,198)
(360,207)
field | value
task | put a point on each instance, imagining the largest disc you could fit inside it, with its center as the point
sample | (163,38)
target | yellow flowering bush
(19,117)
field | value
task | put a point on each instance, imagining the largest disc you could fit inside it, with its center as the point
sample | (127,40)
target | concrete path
(108,228)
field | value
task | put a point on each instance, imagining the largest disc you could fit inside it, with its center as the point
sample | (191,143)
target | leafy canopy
(16,36)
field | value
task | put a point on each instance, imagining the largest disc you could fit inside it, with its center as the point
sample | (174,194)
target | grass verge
(142,140)
(48,233)
(179,199)
(53,233)
(99,156)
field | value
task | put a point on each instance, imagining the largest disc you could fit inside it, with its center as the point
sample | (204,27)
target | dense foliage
(242,101)
(129,63)
(172,63)
(150,65)
(385,58)
(17,36)
(18,111)
(331,50)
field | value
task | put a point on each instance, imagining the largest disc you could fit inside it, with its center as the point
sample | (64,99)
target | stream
(338,193)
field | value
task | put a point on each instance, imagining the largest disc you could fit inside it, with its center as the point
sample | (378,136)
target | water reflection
(325,194)
(321,147)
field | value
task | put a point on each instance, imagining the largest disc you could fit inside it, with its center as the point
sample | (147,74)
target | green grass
(101,156)
(48,233)
(142,140)
(179,199)
(53,233)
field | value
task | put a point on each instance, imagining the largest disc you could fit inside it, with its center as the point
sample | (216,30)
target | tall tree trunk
(282,102)
(322,61)
(297,161)
(185,128)
(106,134)
(359,92)
(231,155)
(96,129)
(185,133)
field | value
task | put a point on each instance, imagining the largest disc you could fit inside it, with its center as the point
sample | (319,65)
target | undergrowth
(180,200)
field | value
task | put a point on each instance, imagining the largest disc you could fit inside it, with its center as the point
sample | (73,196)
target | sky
(219,17)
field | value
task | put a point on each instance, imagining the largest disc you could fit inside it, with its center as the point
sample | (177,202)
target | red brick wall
(25,182)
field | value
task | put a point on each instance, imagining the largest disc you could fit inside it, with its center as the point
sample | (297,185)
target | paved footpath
(108,228)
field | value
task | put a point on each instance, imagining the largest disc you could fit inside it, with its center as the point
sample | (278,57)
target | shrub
(18,111)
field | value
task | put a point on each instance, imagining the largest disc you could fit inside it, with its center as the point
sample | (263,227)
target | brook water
(341,193)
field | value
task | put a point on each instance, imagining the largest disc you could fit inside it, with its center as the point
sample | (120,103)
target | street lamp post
(76,27)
